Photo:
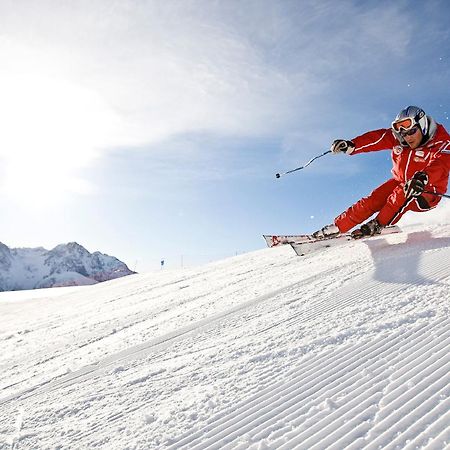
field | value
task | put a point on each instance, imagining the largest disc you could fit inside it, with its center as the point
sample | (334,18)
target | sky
(153,130)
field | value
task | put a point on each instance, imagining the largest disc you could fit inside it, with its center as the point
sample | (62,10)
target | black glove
(416,185)
(340,145)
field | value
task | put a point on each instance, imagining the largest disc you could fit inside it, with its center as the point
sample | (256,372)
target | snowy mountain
(66,265)
(347,348)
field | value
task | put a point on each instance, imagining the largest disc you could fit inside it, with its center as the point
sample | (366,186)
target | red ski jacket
(433,157)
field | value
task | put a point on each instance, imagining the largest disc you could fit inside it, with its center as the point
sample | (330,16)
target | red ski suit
(389,200)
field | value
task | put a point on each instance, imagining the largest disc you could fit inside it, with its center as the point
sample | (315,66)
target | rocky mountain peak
(65,265)
(5,256)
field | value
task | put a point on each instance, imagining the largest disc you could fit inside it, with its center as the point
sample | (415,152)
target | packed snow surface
(347,348)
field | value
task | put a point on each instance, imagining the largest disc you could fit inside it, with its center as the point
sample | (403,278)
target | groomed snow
(347,348)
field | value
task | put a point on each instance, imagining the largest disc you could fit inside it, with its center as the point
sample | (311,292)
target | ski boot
(370,228)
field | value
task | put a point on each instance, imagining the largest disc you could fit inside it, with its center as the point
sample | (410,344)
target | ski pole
(437,194)
(278,175)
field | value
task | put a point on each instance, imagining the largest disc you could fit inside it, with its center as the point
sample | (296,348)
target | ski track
(159,343)
(140,351)
(338,353)
(309,404)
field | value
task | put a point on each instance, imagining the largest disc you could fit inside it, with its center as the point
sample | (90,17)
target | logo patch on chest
(397,150)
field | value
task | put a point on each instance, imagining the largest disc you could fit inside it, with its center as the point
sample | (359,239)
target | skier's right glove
(342,146)
(416,185)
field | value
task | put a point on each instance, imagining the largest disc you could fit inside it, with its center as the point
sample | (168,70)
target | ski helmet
(416,116)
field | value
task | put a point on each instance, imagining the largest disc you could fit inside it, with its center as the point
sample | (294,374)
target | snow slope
(344,349)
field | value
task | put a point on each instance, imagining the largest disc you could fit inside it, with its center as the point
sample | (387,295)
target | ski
(273,240)
(305,247)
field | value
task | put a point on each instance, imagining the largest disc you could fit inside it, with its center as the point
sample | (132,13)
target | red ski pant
(389,201)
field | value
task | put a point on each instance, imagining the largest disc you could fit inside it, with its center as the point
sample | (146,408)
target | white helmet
(408,118)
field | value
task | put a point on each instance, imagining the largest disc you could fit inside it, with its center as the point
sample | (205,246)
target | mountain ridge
(68,264)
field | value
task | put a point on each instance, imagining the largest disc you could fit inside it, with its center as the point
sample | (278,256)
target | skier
(421,164)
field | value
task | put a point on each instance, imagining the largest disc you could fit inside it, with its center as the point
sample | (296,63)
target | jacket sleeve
(375,140)
(439,167)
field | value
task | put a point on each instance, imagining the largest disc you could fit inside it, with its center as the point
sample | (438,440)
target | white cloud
(81,77)
(170,67)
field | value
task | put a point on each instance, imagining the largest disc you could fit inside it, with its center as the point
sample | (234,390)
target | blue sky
(153,129)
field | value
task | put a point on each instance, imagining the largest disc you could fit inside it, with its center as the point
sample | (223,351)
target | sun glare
(51,129)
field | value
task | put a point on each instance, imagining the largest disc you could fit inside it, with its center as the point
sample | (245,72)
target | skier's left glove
(342,146)
(416,185)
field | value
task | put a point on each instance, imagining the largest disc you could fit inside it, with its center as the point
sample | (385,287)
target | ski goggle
(410,132)
(403,124)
